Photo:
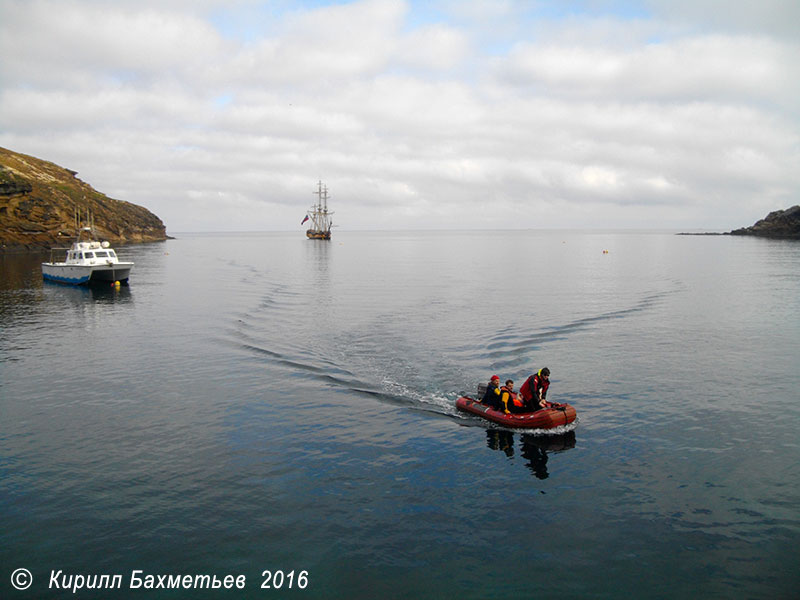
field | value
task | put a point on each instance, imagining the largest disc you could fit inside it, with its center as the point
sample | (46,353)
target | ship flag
(304,220)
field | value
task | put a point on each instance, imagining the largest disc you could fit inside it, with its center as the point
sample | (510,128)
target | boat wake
(513,345)
(412,355)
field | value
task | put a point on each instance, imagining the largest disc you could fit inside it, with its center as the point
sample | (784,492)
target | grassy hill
(38,200)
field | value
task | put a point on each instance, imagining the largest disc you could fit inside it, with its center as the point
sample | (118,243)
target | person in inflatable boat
(511,402)
(492,395)
(534,390)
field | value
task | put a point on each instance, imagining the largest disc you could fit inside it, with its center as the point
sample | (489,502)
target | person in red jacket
(534,390)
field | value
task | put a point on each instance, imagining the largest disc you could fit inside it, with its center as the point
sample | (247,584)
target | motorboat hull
(86,274)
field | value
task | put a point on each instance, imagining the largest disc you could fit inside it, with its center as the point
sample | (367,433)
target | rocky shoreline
(783,224)
(39,199)
(779,224)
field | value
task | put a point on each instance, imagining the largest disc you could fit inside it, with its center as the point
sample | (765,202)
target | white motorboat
(87,262)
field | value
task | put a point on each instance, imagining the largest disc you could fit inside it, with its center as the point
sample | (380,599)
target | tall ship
(320,216)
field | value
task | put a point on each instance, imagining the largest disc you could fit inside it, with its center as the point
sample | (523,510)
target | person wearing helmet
(534,390)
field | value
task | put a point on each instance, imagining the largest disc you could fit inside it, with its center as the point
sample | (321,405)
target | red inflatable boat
(544,418)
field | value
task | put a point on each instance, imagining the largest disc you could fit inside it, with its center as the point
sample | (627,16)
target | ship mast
(325,225)
(319,213)
(317,208)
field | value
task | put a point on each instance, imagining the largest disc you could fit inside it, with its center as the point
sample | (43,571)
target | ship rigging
(320,216)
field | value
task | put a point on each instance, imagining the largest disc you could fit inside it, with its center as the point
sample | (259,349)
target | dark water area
(255,402)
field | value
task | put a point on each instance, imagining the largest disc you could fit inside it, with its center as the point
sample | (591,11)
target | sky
(222,115)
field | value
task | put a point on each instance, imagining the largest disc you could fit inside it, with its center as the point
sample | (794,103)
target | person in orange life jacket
(492,395)
(512,403)
(534,390)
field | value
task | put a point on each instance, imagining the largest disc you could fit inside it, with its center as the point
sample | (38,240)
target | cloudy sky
(221,115)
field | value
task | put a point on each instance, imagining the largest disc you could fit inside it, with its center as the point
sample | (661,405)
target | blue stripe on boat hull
(67,280)
(95,277)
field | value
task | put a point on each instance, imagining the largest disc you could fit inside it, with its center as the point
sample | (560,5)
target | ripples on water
(261,400)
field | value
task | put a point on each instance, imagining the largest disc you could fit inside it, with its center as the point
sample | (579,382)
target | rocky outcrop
(778,224)
(39,200)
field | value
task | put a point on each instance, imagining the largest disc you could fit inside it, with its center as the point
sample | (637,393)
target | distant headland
(779,224)
(38,200)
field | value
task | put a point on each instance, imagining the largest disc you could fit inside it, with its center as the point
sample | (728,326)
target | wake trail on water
(513,344)
(391,356)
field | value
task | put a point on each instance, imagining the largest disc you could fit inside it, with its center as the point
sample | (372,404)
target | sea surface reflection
(533,448)
(256,401)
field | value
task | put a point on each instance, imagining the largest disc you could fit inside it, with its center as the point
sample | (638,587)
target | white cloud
(713,67)
(413,120)
(433,47)
(777,18)
(52,42)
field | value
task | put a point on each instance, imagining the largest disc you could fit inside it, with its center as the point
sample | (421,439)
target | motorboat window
(101,254)
(88,254)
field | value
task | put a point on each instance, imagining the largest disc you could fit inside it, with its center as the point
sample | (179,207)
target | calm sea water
(257,402)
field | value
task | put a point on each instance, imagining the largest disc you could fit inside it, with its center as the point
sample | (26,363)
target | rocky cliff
(777,224)
(38,200)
